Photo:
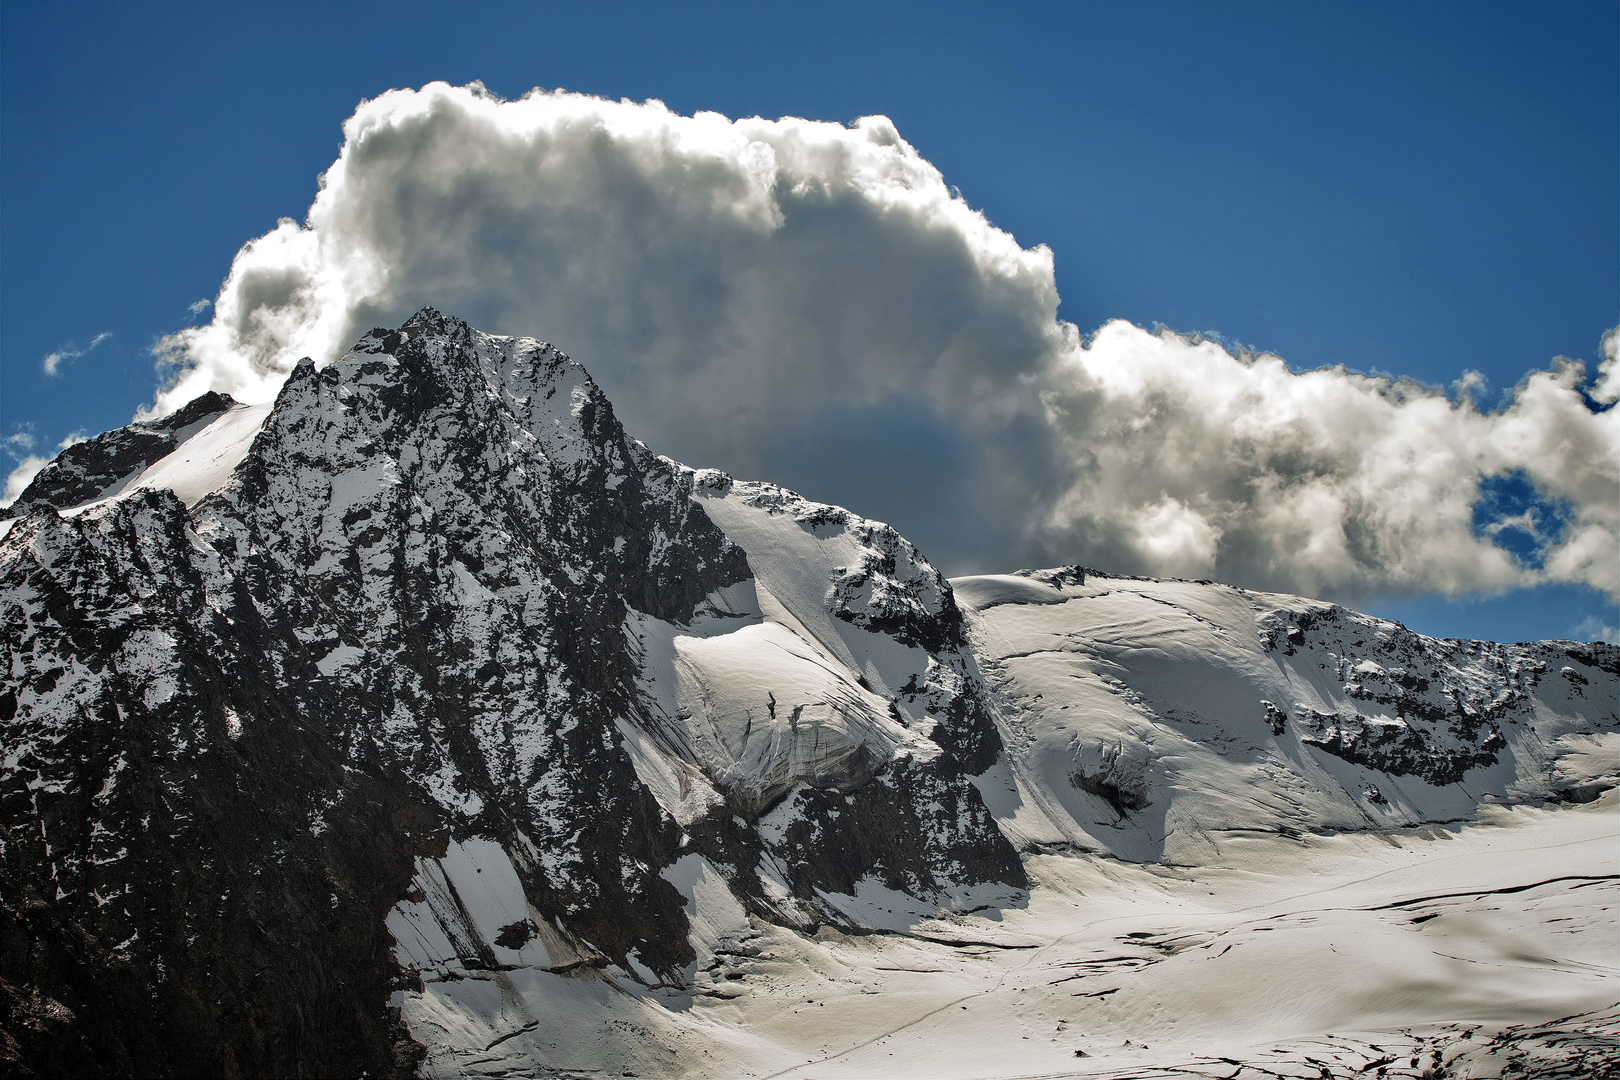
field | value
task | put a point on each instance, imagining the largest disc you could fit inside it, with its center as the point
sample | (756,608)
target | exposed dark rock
(1124,800)
(168,889)
(1426,707)
(900,596)
(88,470)
(838,838)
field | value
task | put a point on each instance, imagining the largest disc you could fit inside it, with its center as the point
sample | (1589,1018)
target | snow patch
(339,659)
(466,911)
(202,464)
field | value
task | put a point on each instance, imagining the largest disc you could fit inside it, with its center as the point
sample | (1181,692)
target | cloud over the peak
(811,302)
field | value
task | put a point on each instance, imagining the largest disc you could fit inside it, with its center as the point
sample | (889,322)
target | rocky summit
(423,721)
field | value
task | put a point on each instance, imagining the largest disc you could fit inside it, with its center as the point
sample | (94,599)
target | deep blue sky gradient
(1418,189)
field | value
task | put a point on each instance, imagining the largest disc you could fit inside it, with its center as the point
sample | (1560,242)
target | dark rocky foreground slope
(337,727)
(233,730)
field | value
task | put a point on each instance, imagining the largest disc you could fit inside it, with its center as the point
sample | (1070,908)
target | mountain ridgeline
(325,717)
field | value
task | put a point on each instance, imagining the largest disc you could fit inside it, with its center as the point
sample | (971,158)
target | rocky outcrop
(195,854)
(105,464)
(1417,706)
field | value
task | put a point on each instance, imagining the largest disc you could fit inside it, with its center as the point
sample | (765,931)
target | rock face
(110,463)
(429,672)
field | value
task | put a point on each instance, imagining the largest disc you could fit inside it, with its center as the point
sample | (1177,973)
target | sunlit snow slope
(1267,836)
(1155,720)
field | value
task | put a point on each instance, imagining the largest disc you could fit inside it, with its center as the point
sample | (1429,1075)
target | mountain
(1148,719)
(424,721)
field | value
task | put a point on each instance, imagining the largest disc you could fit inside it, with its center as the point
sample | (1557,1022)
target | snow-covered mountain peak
(424,705)
(191,451)
(431,635)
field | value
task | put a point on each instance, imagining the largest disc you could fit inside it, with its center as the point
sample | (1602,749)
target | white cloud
(197,307)
(1174,538)
(20,476)
(751,271)
(54,360)
(733,283)
(1323,482)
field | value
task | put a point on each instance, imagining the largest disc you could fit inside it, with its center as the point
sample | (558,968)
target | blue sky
(1418,190)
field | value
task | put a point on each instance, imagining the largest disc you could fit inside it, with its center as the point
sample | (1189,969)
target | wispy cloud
(54,360)
(736,285)
(197,307)
(1593,628)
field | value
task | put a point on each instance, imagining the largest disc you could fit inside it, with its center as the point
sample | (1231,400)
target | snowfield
(1217,890)
(1292,955)
(1154,720)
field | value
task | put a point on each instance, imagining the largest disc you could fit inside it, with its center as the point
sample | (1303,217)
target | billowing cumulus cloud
(1185,459)
(810,302)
